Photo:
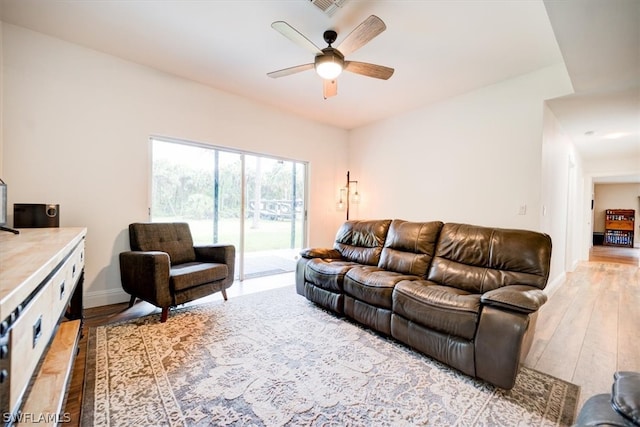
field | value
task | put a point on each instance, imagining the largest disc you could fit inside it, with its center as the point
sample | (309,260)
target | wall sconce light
(346,197)
(355,198)
(340,204)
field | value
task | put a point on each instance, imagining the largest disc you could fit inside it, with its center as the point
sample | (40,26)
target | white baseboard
(97,299)
(554,284)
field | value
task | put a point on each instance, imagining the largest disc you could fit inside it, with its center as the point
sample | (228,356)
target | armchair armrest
(326,253)
(146,276)
(520,298)
(221,254)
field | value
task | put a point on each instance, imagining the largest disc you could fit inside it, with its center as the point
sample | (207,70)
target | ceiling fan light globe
(328,70)
(330,64)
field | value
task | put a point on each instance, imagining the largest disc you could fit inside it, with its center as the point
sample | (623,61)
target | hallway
(615,254)
(587,330)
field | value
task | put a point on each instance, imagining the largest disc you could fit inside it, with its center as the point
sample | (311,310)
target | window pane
(203,187)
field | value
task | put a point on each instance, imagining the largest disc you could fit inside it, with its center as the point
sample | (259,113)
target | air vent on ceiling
(328,6)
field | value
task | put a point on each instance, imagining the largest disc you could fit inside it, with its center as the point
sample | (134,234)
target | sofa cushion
(361,241)
(188,275)
(442,308)
(327,274)
(410,246)
(373,285)
(479,259)
(172,238)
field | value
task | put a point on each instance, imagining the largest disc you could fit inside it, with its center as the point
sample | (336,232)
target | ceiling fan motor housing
(330,37)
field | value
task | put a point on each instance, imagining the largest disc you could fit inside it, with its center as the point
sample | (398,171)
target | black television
(3,209)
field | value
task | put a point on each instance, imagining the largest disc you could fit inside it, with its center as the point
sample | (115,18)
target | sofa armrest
(625,396)
(325,253)
(146,275)
(520,298)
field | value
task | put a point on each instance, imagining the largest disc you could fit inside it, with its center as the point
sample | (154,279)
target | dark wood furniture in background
(619,227)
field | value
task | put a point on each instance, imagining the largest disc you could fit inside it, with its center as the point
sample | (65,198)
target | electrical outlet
(522,210)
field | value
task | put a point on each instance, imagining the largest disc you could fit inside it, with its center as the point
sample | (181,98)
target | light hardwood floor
(586,331)
(589,327)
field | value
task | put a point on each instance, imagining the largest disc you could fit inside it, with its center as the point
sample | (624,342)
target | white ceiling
(600,43)
(439,49)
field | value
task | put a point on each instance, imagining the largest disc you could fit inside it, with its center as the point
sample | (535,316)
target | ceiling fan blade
(362,34)
(329,88)
(295,36)
(290,70)
(369,70)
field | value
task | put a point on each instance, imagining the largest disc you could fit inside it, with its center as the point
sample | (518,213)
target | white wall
(475,158)
(561,215)
(1,97)
(76,130)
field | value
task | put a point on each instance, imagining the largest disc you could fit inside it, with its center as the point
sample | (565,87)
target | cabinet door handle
(62,289)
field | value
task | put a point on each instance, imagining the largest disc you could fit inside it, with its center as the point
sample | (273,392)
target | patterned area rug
(275,359)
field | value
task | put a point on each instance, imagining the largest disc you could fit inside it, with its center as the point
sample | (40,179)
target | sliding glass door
(256,203)
(274,223)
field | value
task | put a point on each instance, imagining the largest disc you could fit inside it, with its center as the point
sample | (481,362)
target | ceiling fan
(329,62)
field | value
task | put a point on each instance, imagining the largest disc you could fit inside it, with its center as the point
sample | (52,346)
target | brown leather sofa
(465,295)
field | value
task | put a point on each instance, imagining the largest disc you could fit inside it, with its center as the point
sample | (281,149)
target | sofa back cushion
(172,238)
(479,259)
(361,241)
(410,246)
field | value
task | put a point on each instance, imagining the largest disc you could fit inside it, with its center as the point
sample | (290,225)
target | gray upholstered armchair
(165,269)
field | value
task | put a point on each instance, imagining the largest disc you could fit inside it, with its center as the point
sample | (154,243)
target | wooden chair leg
(164,315)
(224,294)
(132,301)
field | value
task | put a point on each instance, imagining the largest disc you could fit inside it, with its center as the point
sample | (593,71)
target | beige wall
(616,196)
(76,132)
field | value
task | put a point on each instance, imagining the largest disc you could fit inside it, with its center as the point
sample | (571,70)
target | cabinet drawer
(29,337)
(61,291)
(75,264)
(65,281)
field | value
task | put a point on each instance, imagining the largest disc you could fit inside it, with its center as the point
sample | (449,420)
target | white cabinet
(41,279)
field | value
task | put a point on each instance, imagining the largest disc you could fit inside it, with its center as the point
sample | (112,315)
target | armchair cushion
(172,238)
(190,274)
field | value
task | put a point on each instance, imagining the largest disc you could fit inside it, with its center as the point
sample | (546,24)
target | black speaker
(33,215)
